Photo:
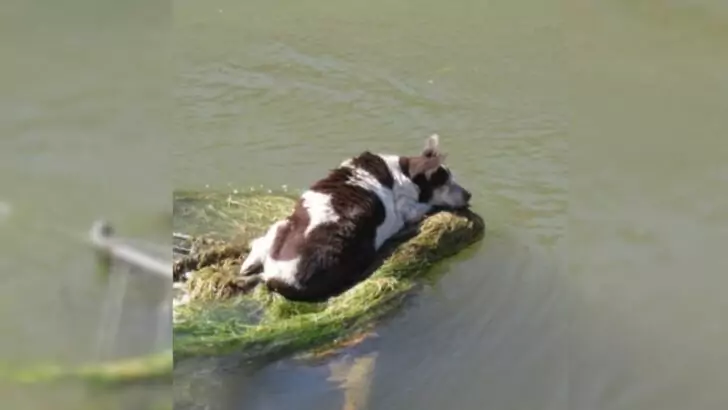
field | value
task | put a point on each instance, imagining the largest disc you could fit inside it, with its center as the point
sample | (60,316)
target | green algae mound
(218,319)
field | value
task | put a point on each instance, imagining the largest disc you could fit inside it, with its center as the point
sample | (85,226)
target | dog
(330,240)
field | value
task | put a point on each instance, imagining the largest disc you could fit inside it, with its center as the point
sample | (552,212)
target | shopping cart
(123,260)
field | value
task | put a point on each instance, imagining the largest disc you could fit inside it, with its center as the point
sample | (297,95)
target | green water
(591,134)
(648,199)
(80,138)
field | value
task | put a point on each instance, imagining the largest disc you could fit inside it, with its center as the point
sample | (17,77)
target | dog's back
(330,238)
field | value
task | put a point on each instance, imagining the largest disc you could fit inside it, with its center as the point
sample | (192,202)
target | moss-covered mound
(219,320)
(133,370)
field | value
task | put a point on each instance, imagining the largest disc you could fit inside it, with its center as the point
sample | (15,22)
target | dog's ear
(424,165)
(432,146)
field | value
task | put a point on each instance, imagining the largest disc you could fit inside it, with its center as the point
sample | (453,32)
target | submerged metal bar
(111,315)
(180,249)
(101,236)
(181,236)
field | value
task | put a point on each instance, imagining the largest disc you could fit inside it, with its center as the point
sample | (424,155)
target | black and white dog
(331,238)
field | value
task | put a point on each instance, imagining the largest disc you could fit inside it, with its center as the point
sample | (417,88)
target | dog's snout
(467,195)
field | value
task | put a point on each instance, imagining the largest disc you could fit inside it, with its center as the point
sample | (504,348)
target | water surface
(276,93)
(82,136)
(591,134)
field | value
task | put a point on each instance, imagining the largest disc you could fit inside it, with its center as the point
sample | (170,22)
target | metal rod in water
(101,237)
(111,315)
(164,320)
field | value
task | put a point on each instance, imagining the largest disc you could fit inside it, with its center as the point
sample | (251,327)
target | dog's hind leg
(253,263)
(247,284)
(259,249)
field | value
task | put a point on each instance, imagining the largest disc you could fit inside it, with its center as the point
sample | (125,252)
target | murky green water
(600,120)
(591,134)
(80,138)
(647,210)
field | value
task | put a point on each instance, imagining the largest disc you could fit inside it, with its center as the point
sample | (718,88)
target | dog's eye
(439,177)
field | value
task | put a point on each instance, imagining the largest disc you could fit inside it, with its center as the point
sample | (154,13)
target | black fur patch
(375,165)
(289,238)
(439,178)
(426,186)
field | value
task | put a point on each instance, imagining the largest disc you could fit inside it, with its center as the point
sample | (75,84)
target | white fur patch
(391,223)
(319,209)
(403,186)
(260,247)
(272,268)
(400,202)
(406,192)
(281,270)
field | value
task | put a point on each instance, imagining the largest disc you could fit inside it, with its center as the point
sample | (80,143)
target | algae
(113,373)
(218,320)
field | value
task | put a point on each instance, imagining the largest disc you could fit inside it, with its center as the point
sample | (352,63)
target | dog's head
(435,181)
